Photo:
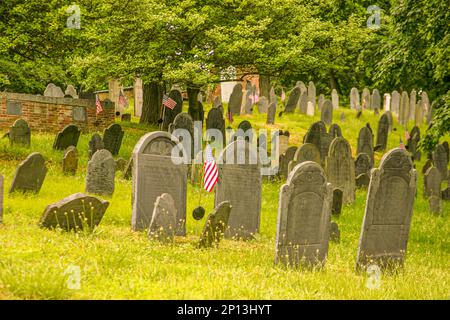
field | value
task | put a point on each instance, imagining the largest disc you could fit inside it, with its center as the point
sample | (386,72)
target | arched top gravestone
(100,174)
(335,130)
(216,121)
(365,142)
(30,174)
(387,217)
(326,113)
(20,133)
(306,152)
(156,171)
(184,121)
(304,217)
(67,137)
(292,102)
(271,112)
(112,138)
(382,132)
(235,101)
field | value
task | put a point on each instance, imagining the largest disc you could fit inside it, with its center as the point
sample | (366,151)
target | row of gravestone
(54,91)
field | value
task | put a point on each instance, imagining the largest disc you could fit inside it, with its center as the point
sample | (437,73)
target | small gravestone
(271,112)
(121,164)
(375,101)
(336,208)
(326,114)
(387,217)
(303,226)
(263,104)
(95,144)
(363,164)
(215,121)
(112,138)
(335,99)
(382,132)
(30,174)
(20,133)
(303,103)
(215,225)
(184,121)
(76,212)
(67,137)
(70,161)
(306,152)
(292,102)
(413,143)
(362,180)
(285,159)
(321,101)
(164,219)
(1,198)
(354,99)
(335,131)
(71,91)
(53,91)
(235,100)
(340,168)
(365,143)
(395,103)
(335,234)
(100,173)
(440,160)
(432,183)
(126,117)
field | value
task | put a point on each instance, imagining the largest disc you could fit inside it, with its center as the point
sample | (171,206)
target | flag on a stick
(210,171)
(169,102)
(122,100)
(98,104)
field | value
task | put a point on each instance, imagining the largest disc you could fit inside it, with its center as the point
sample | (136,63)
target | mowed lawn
(117,263)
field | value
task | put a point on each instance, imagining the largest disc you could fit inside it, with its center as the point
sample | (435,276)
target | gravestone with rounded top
(215,225)
(306,152)
(312,93)
(30,174)
(67,137)
(70,161)
(95,144)
(285,159)
(365,142)
(170,114)
(395,103)
(326,114)
(20,133)
(335,99)
(292,102)
(112,138)
(440,160)
(100,173)
(164,219)
(303,103)
(375,101)
(363,164)
(215,121)
(335,131)
(382,132)
(404,109)
(271,112)
(235,101)
(184,121)
(354,99)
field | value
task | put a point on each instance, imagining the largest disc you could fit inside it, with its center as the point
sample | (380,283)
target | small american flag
(229,116)
(210,171)
(122,100)
(283,95)
(169,102)
(98,104)
(402,145)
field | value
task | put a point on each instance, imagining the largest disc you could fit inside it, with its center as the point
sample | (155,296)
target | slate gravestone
(164,219)
(20,133)
(395,104)
(76,212)
(1,198)
(285,159)
(412,104)
(320,102)
(303,225)
(235,102)
(184,121)
(153,161)
(247,103)
(418,118)
(67,137)
(340,168)
(306,152)
(440,160)
(317,135)
(365,98)
(245,131)
(292,102)
(312,93)
(215,225)
(413,142)
(432,183)
(382,132)
(362,180)
(365,142)
(168,114)
(428,164)
(112,138)
(263,104)
(271,112)
(335,99)
(301,85)
(387,217)
(363,164)
(283,141)
(53,91)
(303,103)
(390,119)
(95,144)
(335,234)
(336,208)
(100,173)
(335,131)
(30,174)
(240,184)
(354,99)
(70,161)
(404,109)
(215,121)
(326,114)
(375,101)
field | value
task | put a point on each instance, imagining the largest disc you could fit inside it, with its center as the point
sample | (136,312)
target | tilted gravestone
(365,142)
(164,219)
(432,189)
(375,101)
(100,173)
(70,161)
(153,161)
(112,138)
(387,217)
(382,132)
(354,99)
(363,164)
(326,114)
(335,131)
(215,225)
(235,101)
(335,99)
(95,144)
(284,161)
(306,152)
(413,142)
(336,208)
(340,168)
(215,121)
(440,161)
(292,102)
(303,103)
(170,114)
(20,133)
(184,121)
(303,225)
(271,112)
(76,212)
(240,184)
(67,137)
(30,174)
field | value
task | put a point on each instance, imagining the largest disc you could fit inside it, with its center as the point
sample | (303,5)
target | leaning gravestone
(153,162)
(292,102)
(100,173)
(304,218)
(215,121)
(95,144)
(363,164)
(76,212)
(382,132)
(271,112)
(387,217)
(306,152)
(30,174)
(335,99)
(365,142)
(164,219)
(20,133)
(395,104)
(67,137)
(326,114)
(112,138)
(340,168)
(235,101)
(240,184)
(285,159)
(440,160)
(375,101)
(170,114)
(215,225)
(303,103)
(70,161)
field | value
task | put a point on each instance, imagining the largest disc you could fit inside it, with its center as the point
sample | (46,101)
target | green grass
(117,263)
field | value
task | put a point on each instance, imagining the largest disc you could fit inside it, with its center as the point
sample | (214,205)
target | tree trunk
(194,107)
(151,105)
(264,86)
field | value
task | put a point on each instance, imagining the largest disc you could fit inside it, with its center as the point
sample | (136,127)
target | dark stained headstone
(383,132)
(30,174)
(390,119)
(20,133)
(292,102)
(184,121)
(284,161)
(303,103)
(95,144)
(121,164)
(215,225)
(440,161)
(100,173)
(428,164)
(67,137)
(363,164)
(335,234)
(245,131)
(306,152)
(70,161)
(215,121)
(164,219)
(235,102)
(335,131)
(432,183)
(317,135)
(326,113)
(168,114)
(271,112)
(128,171)
(76,212)
(365,142)
(336,208)
(112,138)
(362,180)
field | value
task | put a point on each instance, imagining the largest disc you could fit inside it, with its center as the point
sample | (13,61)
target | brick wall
(52,114)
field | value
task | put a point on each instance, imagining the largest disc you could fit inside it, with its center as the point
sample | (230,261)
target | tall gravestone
(95,144)
(30,174)
(292,102)
(440,160)
(100,173)
(164,219)
(354,99)
(184,121)
(412,104)
(326,114)
(235,101)
(215,121)
(395,104)
(20,133)
(365,98)
(70,161)
(271,112)
(375,101)
(432,189)
(413,143)
(387,102)
(387,217)
(67,137)
(382,132)
(157,171)
(240,184)
(285,159)
(170,114)
(404,109)
(263,104)
(312,93)
(272,96)
(321,101)
(317,134)
(303,103)
(363,164)
(365,142)
(304,217)
(112,138)
(335,99)
(306,152)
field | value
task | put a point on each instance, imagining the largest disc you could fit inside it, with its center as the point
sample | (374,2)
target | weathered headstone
(419,112)
(164,219)
(215,225)
(263,104)
(387,217)
(272,96)
(362,180)
(30,174)
(382,132)
(335,234)
(312,93)
(170,114)
(375,101)
(404,109)
(235,101)
(306,152)
(303,103)
(335,131)
(354,99)
(321,101)
(216,121)
(301,85)
(440,161)
(337,202)
(363,164)
(20,133)
(153,162)
(247,103)
(317,135)
(432,183)
(390,119)
(283,141)
(76,212)
(70,161)
(272,111)
(365,98)
(387,102)
(326,114)
(412,104)
(112,138)
(365,142)
(95,144)
(413,142)
(67,137)
(71,91)
(395,104)
(446,146)
(285,159)
(292,102)
(121,164)
(303,226)
(53,91)
(184,121)
(100,173)
(335,99)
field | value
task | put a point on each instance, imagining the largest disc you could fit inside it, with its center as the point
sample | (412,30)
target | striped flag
(122,100)
(229,116)
(98,104)
(169,102)
(210,171)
